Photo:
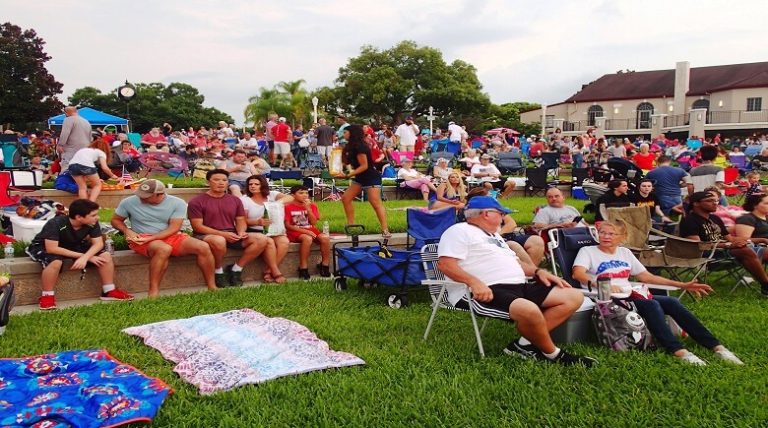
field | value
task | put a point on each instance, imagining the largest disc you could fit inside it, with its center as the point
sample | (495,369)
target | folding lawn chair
(438,284)
(511,163)
(426,227)
(277,176)
(537,181)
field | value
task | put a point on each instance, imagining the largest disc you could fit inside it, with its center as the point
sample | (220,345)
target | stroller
(375,264)
(616,169)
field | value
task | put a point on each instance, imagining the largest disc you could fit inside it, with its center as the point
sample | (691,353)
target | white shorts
(282,147)
(407,148)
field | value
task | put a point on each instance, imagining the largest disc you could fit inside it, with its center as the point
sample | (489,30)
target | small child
(36,164)
(301,218)
(753,178)
(288,162)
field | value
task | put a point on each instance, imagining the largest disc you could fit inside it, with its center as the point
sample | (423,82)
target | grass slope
(441,382)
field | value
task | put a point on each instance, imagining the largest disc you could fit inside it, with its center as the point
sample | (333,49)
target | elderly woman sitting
(609,260)
(414,179)
(441,170)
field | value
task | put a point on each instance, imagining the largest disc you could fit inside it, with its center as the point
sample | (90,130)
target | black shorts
(271,145)
(368,182)
(39,255)
(520,238)
(76,169)
(504,295)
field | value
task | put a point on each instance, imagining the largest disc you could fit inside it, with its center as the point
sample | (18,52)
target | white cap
(451,123)
(282,119)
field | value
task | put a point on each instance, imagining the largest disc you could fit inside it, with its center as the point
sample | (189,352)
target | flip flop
(280,279)
(268,278)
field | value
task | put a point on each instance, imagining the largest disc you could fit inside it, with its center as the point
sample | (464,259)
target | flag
(126,175)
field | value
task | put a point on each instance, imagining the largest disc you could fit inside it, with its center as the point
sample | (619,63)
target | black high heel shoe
(303,273)
(323,270)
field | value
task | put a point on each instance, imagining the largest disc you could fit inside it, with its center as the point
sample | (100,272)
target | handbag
(620,327)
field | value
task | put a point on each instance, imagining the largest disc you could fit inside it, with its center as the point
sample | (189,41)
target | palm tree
(266,102)
(298,99)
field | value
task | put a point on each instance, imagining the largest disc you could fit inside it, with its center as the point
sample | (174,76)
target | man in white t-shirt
(406,135)
(457,133)
(474,253)
(556,213)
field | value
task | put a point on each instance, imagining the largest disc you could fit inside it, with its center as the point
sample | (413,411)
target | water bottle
(326,228)
(8,251)
(604,288)
(109,245)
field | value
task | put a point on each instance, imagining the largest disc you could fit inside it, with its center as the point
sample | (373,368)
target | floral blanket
(76,389)
(220,352)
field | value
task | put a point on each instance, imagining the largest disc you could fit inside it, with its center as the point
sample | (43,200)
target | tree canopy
(27,90)
(179,104)
(408,79)
(288,99)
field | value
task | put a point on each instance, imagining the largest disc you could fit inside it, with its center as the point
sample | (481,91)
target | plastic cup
(170,185)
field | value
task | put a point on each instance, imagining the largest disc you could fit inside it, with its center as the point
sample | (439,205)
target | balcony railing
(676,120)
(574,126)
(626,124)
(737,116)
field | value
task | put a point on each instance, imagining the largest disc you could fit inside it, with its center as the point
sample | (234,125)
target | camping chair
(753,150)
(434,156)
(551,163)
(426,227)
(162,162)
(437,284)
(14,153)
(683,259)
(578,175)
(732,186)
(739,162)
(5,195)
(453,147)
(277,176)
(537,182)
(511,163)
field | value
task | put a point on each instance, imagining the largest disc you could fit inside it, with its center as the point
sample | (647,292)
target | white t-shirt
(88,157)
(255,211)
(490,168)
(485,256)
(551,215)
(618,267)
(456,132)
(408,174)
(250,143)
(407,134)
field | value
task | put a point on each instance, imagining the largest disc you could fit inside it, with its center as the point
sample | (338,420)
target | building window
(592,113)
(644,111)
(700,104)
(754,104)
(549,121)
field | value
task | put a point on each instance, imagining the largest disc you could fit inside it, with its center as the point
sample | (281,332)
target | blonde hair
(451,192)
(618,225)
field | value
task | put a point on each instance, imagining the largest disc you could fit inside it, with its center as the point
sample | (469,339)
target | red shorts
(294,236)
(174,241)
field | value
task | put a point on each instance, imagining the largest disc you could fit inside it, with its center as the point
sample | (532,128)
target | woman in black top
(616,196)
(754,225)
(646,197)
(359,165)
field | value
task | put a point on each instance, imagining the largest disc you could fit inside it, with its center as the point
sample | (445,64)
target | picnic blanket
(220,352)
(86,388)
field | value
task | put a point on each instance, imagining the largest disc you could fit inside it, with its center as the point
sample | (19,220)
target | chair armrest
(441,282)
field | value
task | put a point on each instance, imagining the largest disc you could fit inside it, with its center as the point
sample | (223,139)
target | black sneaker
(567,359)
(764,291)
(222,280)
(323,270)
(235,278)
(528,352)
(304,274)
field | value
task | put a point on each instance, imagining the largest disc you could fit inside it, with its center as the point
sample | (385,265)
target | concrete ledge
(131,273)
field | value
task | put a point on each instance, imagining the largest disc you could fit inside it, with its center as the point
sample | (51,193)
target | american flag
(126,175)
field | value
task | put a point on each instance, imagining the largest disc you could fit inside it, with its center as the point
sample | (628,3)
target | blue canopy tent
(95,117)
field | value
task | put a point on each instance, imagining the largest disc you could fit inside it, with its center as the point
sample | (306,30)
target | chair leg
(435,307)
(477,331)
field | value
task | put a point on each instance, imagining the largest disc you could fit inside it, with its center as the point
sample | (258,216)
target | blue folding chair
(426,227)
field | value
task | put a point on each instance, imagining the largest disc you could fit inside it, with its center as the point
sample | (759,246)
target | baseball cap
(451,123)
(700,196)
(150,188)
(409,118)
(486,156)
(486,203)
(282,119)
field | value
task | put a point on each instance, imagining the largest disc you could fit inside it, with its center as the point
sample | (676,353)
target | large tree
(27,90)
(288,99)
(179,104)
(407,79)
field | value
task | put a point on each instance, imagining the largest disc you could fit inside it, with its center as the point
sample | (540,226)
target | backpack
(620,327)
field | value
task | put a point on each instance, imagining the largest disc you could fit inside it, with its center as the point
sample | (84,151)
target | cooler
(577,192)
(25,229)
(578,328)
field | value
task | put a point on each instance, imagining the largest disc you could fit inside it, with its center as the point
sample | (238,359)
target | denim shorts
(77,169)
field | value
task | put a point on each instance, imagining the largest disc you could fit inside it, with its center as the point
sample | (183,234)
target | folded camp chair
(437,284)
(426,227)
(511,163)
(683,259)
(537,182)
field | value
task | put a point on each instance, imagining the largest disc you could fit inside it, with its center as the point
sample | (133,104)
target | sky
(537,51)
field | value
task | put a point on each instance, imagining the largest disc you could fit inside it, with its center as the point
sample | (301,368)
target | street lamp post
(314,112)
(126,93)
(431,117)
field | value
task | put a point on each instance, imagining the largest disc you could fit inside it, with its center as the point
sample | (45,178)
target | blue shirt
(667,180)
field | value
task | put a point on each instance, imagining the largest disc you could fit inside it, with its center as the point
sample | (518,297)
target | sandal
(386,234)
(280,279)
(268,278)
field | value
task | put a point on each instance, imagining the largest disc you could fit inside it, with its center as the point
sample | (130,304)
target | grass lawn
(441,382)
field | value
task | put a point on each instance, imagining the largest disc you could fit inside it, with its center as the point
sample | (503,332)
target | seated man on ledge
(556,213)
(155,232)
(475,254)
(76,237)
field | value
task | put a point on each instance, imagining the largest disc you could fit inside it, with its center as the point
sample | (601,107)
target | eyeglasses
(609,234)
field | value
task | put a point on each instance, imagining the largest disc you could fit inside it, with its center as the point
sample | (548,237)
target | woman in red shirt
(644,159)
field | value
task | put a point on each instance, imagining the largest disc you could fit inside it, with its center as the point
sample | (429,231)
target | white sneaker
(691,358)
(729,356)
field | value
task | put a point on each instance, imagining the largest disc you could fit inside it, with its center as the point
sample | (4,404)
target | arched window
(592,113)
(644,111)
(700,104)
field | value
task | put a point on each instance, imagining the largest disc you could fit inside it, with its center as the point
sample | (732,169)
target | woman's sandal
(268,278)
(386,234)
(280,279)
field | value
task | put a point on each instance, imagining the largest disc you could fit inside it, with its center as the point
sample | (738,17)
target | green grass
(441,382)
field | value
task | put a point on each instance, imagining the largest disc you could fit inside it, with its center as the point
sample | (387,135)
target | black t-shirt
(60,229)
(707,229)
(651,201)
(609,199)
(324,135)
(370,174)
(760,225)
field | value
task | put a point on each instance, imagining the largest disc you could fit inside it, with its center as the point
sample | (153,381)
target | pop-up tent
(95,117)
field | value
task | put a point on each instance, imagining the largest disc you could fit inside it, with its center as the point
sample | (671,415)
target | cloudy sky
(539,51)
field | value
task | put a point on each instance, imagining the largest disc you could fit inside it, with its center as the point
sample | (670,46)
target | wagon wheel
(361,283)
(340,284)
(397,301)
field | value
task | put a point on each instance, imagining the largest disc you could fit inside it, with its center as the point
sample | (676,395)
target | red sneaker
(116,294)
(47,303)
